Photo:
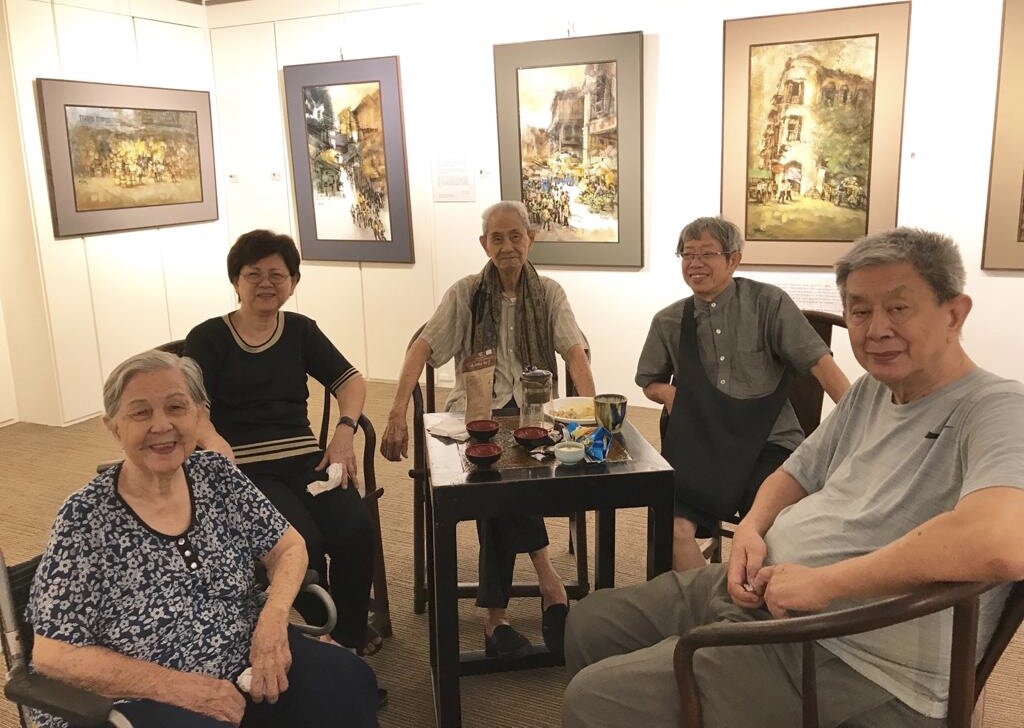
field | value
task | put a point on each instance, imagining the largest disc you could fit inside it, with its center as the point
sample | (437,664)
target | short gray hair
(504,206)
(934,256)
(151,361)
(727,234)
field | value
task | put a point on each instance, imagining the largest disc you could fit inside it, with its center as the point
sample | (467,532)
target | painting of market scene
(809,139)
(568,140)
(124,158)
(345,137)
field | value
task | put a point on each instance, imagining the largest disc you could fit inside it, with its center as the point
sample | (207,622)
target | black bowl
(482,430)
(530,437)
(483,454)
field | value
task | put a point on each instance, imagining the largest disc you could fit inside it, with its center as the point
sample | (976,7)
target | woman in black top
(255,363)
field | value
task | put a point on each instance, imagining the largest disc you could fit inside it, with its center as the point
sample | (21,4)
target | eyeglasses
(705,256)
(255,277)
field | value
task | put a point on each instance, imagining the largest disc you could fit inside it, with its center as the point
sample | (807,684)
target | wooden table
(460,492)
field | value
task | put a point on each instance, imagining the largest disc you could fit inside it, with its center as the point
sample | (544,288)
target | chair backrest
(173,347)
(807,394)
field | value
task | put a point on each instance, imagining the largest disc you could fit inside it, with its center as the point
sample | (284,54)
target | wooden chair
(422,403)
(79,707)
(379,604)
(967,675)
(806,397)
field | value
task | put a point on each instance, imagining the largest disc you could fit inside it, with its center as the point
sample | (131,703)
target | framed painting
(570,121)
(811,128)
(348,160)
(1004,220)
(126,157)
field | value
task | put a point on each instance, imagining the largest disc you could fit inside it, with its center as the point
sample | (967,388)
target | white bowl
(568,453)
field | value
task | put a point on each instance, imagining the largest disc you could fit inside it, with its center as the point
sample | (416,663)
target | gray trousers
(619,645)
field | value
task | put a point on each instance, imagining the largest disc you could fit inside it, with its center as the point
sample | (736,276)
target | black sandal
(374,643)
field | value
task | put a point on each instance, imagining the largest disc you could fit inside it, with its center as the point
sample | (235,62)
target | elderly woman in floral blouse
(145,592)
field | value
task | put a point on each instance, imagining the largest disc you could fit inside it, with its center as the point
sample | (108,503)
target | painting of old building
(345,141)
(809,136)
(568,138)
(123,158)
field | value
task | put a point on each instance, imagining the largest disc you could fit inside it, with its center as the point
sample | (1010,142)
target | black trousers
(335,524)
(500,540)
(326,686)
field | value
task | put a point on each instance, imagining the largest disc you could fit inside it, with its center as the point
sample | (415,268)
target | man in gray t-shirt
(916,477)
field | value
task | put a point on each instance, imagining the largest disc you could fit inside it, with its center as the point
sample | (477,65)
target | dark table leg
(659,534)
(604,537)
(444,598)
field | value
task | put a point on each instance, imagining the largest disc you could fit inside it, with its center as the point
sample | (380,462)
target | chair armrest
(927,600)
(331,619)
(75,705)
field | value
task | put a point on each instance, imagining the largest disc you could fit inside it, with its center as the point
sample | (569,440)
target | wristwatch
(346,420)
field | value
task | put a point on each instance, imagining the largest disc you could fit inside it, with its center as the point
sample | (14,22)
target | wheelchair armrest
(75,705)
(320,593)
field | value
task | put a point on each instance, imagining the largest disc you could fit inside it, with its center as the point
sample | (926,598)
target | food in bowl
(483,454)
(482,430)
(568,452)
(530,437)
(581,412)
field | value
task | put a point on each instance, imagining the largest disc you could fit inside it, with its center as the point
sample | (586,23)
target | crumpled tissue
(335,478)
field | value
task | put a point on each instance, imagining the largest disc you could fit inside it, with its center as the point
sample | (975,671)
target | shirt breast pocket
(754,373)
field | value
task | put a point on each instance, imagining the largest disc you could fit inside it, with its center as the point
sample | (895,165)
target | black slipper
(374,643)
(506,643)
(382,698)
(553,628)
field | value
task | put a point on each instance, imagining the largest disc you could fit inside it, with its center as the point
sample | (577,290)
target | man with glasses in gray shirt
(916,477)
(722,362)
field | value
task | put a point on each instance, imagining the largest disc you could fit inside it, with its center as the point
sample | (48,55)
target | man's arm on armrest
(979,540)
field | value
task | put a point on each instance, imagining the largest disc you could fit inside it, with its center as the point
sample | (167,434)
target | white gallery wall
(83,304)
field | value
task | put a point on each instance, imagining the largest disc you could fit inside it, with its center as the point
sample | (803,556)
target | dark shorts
(768,461)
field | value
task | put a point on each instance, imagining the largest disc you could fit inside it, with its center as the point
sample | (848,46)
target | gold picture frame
(791,170)
(1004,219)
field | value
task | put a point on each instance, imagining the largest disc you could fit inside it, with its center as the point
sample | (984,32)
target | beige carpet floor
(41,465)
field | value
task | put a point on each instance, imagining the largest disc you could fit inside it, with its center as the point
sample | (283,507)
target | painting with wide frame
(126,157)
(570,145)
(1004,219)
(349,170)
(802,199)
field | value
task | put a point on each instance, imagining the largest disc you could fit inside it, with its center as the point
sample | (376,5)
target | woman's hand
(270,657)
(218,699)
(745,562)
(394,444)
(341,449)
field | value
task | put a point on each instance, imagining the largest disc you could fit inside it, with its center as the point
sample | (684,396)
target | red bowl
(483,454)
(482,430)
(530,437)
